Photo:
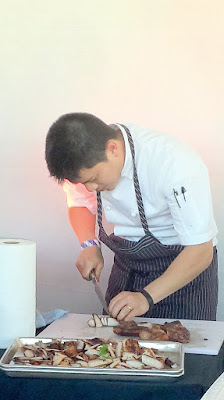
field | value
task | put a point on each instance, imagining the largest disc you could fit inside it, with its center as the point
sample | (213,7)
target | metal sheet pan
(172,350)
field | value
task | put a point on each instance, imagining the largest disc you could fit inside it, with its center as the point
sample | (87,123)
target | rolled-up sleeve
(78,196)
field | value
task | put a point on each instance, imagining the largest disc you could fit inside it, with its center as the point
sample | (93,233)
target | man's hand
(127,305)
(89,258)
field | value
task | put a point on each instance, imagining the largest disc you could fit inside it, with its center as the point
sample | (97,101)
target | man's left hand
(127,305)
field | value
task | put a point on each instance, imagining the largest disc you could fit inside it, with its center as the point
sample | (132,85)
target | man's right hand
(90,258)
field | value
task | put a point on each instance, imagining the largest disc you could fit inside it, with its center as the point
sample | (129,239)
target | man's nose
(91,186)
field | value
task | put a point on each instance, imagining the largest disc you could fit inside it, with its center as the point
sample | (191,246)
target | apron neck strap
(136,186)
(136,183)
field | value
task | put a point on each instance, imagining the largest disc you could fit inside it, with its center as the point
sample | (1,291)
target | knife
(98,291)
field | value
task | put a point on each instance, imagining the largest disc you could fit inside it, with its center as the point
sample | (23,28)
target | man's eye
(90,181)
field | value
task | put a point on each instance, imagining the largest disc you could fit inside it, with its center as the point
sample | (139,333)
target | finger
(130,316)
(116,306)
(85,272)
(86,276)
(121,309)
(98,270)
(124,313)
(118,298)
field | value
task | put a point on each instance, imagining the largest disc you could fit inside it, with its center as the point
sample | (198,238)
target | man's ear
(113,148)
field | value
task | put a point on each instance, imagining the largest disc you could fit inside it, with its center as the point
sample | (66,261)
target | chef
(155,191)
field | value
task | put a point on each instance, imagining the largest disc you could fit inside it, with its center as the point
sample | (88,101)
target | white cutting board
(76,326)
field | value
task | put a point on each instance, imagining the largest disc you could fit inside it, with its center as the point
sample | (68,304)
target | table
(200,372)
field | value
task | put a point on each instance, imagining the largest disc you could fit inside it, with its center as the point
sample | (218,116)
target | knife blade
(99,291)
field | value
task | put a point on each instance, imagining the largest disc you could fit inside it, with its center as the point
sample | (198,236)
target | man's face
(106,174)
(103,176)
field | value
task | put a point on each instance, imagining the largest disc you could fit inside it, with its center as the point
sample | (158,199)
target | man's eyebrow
(88,180)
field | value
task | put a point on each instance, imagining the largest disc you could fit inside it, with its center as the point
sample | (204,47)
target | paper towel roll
(17,289)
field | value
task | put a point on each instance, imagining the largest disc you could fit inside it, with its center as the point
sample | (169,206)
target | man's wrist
(89,243)
(148,298)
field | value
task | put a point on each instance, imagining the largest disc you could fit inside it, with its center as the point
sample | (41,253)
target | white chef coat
(166,167)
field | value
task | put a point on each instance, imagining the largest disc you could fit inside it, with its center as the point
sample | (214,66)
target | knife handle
(92,274)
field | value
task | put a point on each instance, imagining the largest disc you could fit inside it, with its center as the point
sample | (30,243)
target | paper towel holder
(13,242)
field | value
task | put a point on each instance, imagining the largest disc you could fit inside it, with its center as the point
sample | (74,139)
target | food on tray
(93,353)
(169,331)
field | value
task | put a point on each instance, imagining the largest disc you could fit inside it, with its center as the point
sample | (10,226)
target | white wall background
(153,62)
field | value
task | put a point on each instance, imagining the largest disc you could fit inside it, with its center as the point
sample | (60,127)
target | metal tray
(172,350)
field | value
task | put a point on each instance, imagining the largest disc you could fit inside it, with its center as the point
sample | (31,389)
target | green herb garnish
(103,351)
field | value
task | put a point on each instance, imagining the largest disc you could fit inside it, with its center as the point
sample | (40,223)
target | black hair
(76,141)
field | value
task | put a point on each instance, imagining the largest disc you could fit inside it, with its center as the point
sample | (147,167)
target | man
(155,191)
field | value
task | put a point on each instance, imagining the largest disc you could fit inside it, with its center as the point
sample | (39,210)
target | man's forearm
(187,266)
(83,223)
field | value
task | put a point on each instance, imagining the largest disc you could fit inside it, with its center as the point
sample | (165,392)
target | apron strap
(136,184)
(99,210)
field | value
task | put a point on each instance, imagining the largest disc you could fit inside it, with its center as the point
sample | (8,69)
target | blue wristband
(91,242)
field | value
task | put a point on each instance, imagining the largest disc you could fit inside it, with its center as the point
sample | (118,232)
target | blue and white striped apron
(136,264)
